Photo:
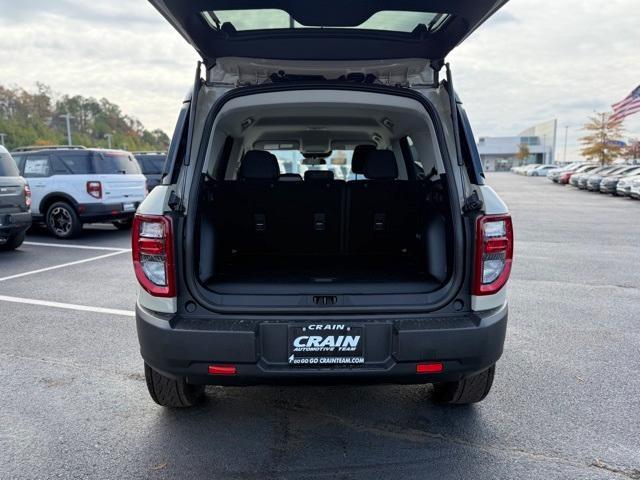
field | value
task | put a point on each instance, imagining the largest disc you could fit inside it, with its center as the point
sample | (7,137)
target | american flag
(628,106)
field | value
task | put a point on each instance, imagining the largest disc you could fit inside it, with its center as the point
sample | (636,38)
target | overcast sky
(534,61)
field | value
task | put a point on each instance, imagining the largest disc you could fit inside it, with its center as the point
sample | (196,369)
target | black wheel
(63,221)
(13,242)
(123,224)
(171,393)
(470,390)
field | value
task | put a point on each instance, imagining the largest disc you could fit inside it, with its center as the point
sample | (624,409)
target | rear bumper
(14,223)
(184,348)
(105,212)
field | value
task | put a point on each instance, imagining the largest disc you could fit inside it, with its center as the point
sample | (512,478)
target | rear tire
(63,221)
(171,393)
(12,242)
(470,390)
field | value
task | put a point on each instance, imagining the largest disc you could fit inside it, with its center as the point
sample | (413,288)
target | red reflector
(433,367)
(222,370)
(151,246)
(496,245)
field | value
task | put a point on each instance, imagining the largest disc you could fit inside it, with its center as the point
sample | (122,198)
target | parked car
(525,169)
(15,201)
(623,188)
(73,186)
(593,181)
(567,176)
(151,164)
(554,175)
(634,189)
(249,275)
(580,179)
(609,184)
(541,171)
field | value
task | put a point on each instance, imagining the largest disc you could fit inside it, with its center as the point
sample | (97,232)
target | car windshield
(293,161)
(272,18)
(116,162)
(8,167)
(151,164)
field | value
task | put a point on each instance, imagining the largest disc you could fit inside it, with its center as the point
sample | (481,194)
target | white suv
(72,186)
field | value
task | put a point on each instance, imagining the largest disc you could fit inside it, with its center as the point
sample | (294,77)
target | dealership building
(500,153)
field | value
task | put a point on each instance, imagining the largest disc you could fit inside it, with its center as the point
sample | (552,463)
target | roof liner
(328,43)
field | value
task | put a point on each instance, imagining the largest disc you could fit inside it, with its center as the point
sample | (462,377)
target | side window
(469,149)
(37,166)
(57,167)
(178,146)
(415,158)
(77,163)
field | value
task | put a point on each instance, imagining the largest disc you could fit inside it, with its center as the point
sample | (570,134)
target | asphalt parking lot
(565,402)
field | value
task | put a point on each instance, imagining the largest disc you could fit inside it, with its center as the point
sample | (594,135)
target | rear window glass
(271,18)
(151,164)
(8,167)
(110,163)
(293,161)
(77,163)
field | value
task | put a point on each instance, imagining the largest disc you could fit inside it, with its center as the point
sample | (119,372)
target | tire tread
(171,393)
(472,389)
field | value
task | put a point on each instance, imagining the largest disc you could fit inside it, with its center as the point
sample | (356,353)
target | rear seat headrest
(318,175)
(259,164)
(290,177)
(381,165)
(359,158)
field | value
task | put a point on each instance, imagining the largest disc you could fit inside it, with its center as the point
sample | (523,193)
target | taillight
(27,195)
(494,253)
(94,189)
(152,249)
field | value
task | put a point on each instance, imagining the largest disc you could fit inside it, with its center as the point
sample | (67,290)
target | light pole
(2,137)
(67,116)
(108,136)
(566,135)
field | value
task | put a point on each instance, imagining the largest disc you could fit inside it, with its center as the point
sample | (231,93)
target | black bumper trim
(104,212)
(14,223)
(184,348)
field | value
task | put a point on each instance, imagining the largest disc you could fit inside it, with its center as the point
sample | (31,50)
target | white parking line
(68,306)
(71,245)
(55,267)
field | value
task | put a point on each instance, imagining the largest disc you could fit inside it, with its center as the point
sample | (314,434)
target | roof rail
(32,148)
(149,152)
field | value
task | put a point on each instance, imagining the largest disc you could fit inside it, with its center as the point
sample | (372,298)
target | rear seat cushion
(381,165)
(259,165)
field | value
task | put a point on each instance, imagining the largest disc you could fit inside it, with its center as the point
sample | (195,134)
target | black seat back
(382,213)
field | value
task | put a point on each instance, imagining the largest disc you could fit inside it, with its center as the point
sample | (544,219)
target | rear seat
(323,205)
(265,212)
(383,213)
(245,223)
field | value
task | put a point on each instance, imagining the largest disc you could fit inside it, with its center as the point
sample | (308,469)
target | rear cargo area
(269,233)
(323,204)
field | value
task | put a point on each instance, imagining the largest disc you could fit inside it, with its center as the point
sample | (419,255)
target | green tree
(33,118)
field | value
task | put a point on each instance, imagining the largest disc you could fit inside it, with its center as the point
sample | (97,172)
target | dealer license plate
(129,207)
(325,345)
